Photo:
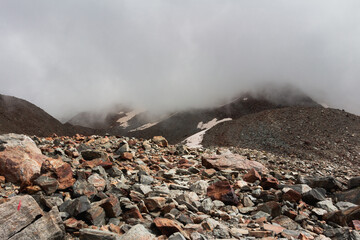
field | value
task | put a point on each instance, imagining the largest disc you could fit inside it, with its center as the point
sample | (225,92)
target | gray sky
(68,56)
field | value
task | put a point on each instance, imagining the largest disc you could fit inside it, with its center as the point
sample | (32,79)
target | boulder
(20,158)
(16,214)
(223,191)
(231,161)
(352,196)
(50,226)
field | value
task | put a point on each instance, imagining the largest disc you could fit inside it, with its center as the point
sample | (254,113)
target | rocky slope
(308,133)
(125,188)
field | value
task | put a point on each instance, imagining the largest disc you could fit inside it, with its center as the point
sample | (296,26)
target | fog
(72,56)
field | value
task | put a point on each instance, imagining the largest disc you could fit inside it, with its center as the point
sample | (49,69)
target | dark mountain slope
(306,132)
(20,116)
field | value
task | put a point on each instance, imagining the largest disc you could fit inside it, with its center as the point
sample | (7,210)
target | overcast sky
(75,55)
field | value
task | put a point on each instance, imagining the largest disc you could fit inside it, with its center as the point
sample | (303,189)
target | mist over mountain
(68,57)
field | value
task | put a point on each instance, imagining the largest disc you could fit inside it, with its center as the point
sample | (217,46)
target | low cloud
(69,57)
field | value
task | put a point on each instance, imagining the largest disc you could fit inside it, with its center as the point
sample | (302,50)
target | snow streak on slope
(195,140)
(124,120)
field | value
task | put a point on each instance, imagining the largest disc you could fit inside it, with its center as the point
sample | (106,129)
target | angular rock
(344,205)
(94,234)
(20,158)
(286,222)
(200,187)
(315,195)
(76,206)
(223,191)
(329,183)
(72,224)
(252,176)
(111,206)
(95,215)
(291,196)
(327,205)
(155,203)
(82,187)
(60,170)
(97,181)
(352,196)
(231,161)
(344,217)
(273,208)
(168,226)
(138,232)
(269,182)
(48,184)
(50,226)
(90,154)
(16,214)
(354,182)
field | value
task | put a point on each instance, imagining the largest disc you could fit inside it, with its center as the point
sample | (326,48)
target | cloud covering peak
(71,56)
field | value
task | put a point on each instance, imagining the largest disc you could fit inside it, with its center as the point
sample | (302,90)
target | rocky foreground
(120,188)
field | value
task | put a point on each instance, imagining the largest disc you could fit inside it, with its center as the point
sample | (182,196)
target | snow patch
(195,140)
(145,126)
(124,120)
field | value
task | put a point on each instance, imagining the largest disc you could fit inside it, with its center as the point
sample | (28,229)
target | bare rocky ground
(126,188)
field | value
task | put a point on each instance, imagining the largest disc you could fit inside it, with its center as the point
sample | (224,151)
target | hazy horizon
(73,56)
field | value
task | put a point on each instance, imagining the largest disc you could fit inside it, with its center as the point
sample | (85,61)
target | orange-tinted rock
(160,141)
(222,191)
(2,179)
(252,176)
(61,171)
(167,226)
(127,156)
(97,162)
(20,158)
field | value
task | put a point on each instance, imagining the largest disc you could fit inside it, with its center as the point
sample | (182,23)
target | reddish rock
(252,176)
(32,189)
(20,158)
(60,170)
(209,172)
(127,156)
(356,224)
(223,191)
(155,203)
(269,182)
(274,228)
(132,213)
(111,206)
(231,161)
(292,196)
(345,217)
(97,162)
(114,228)
(167,226)
(260,234)
(73,224)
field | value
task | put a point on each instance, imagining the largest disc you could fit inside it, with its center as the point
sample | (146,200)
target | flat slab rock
(232,161)
(22,218)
